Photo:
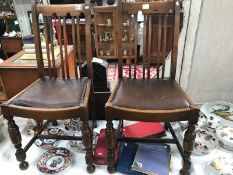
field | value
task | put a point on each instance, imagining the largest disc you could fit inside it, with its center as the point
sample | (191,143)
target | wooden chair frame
(10,110)
(122,113)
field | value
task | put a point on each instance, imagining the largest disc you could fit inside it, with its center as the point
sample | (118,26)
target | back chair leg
(189,140)
(16,139)
(110,138)
(87,142)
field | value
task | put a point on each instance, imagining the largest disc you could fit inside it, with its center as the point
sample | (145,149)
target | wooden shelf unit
(105,30)
(8,17)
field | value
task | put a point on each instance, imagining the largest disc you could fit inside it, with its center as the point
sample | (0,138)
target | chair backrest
(59,32)
(160,36)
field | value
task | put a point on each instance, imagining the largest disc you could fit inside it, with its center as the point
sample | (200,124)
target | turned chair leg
(16,139)
(110,140)
(189,140)
(87,142)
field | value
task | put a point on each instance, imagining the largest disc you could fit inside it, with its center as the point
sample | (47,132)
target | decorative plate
(49,143)
(201,122)
(204,142)
(54,160)
(219,109)
(225,136)
(73,124)
(220,166)
(77,144)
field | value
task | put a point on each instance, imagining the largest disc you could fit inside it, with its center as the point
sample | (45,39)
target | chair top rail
(72,9)
(149,7)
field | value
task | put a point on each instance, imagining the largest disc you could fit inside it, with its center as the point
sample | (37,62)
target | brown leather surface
(53,93)
(153,94)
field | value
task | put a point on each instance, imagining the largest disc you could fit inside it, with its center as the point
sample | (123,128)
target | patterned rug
(112,71)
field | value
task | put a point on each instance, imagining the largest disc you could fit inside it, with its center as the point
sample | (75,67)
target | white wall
(211,73)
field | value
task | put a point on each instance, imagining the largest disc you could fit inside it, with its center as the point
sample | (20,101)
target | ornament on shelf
(109,22)
(125,52)
(101,52)
(108,52)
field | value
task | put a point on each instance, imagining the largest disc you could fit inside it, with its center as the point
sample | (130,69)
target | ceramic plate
(220,166)
(73,124)
(205,142)
(225,136)
(201,122)
(219,109)
(49,143)
(54,160)
(77,144)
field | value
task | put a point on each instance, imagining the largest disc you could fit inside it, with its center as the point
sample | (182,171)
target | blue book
(126,159)
(152,159)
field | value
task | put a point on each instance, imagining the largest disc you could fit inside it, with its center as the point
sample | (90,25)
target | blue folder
(126,159)
(152,159)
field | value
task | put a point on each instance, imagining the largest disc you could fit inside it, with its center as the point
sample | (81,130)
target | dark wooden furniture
(51,98)
(11,45)
(14,70)
(105,30)
(159,99)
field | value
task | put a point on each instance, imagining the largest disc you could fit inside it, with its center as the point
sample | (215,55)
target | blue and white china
(73,124)
(223,111)
(77,144)
(205,142)
(224,135)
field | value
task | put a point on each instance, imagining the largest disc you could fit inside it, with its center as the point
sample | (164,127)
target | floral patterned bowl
(224,134)
(205,142)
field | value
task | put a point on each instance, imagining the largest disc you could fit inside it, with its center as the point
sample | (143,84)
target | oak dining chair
(61,92)
(151,99)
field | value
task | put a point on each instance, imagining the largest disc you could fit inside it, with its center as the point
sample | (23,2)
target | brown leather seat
(54,91)
(153,94)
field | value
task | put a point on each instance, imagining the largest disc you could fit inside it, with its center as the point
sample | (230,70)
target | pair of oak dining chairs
(62,92)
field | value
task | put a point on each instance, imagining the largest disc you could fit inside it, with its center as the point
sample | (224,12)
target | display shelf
(8,14)
(5,7)
(128,39)
(105,30)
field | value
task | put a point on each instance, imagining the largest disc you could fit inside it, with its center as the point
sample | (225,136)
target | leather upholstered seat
(57,93)
(153,94)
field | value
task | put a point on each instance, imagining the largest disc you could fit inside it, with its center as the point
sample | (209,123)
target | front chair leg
(16,139)
(110,139)
(87,142)
(189,140)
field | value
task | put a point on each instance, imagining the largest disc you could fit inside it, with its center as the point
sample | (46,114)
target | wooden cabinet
(11,45)
(20,70)
(105,30)
(129,37)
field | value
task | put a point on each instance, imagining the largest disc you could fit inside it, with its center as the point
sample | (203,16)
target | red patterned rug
(112,71)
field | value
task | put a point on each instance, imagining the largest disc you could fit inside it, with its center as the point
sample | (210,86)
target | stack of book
(144,130)
(139,159)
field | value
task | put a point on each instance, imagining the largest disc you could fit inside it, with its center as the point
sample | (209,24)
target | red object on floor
(100,153)
(143,129)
